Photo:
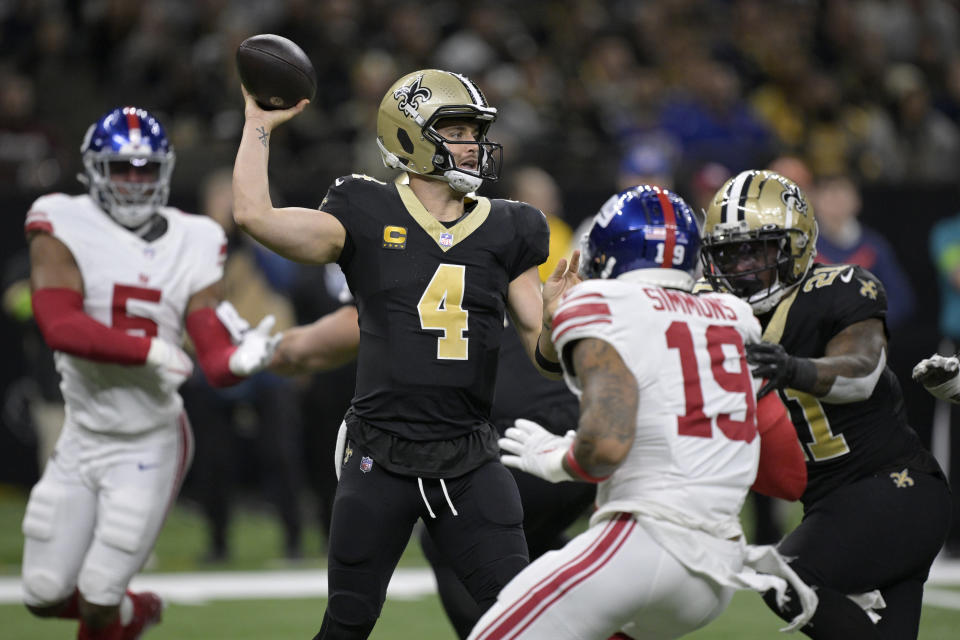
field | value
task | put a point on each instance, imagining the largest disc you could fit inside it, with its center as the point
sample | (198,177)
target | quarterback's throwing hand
(939,375)
(565,276)
(533,449)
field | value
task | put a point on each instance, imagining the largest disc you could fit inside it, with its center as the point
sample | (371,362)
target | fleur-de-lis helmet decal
(764,216)
(407,124)
(410,96)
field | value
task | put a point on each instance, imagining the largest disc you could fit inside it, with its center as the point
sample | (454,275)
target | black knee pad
(331,629)
(356,599)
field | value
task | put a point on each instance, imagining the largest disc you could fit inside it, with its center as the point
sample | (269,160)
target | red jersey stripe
(519,603)
(38,225)
(540,597)
(588,294)
(571,311)
(571,327)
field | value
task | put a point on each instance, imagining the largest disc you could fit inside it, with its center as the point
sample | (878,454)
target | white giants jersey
(696,448)
(131,285)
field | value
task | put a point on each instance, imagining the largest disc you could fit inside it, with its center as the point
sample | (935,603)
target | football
(276,72)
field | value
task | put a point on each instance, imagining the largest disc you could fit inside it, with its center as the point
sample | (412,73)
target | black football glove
(780,369)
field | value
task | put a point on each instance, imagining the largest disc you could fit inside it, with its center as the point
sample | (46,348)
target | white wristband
(949,390)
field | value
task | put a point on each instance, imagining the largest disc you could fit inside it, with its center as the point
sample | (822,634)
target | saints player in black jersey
(433,269)
(877,506)
(548,508)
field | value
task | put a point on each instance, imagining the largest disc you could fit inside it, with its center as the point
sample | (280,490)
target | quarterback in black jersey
(548,508)
(433,268)
(877,506)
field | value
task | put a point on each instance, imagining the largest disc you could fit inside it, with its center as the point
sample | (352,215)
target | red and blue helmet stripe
(643,227)
(127,131)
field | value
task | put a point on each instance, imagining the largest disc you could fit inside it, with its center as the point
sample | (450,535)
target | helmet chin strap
(766,299)
(774,293)
(390,160)
(462,182)
(457,179)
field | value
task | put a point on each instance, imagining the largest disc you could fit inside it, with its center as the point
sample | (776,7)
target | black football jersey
(522,391)
(431,299)
(842,442)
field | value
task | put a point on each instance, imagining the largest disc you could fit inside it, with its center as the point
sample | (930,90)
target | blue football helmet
(127,163)
(642,227)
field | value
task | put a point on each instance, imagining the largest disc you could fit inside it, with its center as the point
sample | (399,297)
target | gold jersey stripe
(434,228)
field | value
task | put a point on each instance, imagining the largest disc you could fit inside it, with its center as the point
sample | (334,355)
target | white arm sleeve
(949,390)
(846,390)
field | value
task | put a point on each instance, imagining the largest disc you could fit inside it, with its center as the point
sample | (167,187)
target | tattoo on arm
(263,135)
(608,407)
(852,353)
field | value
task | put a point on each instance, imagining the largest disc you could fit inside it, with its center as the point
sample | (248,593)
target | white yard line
(945,573)
(940,598)
(198,588)
(406,584)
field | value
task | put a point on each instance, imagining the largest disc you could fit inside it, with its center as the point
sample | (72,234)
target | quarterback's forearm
(251,192)
(525,304)
(303,235)
(546,357)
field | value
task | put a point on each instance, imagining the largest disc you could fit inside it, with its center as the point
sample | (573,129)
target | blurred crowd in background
(870,87)
(856,100)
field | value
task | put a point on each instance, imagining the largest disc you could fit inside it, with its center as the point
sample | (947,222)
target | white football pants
(96,512)
(613,577)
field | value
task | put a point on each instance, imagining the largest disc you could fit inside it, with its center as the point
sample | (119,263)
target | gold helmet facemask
(412,111)
(758,224)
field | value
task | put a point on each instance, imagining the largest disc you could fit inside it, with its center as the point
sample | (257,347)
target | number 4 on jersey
(440,308)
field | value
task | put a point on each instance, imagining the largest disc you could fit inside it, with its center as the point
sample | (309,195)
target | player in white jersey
(116,276)
(669,427)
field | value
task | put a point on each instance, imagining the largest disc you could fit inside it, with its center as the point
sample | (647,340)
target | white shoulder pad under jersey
(132,285)
(696,447)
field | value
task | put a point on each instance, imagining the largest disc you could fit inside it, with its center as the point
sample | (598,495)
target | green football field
(746,619)
(256,538)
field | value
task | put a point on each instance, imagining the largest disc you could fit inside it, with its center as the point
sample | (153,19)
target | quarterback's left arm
(532,305)
(847,372)
(228,349)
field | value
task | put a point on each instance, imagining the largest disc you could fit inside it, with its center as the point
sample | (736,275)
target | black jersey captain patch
(394,237)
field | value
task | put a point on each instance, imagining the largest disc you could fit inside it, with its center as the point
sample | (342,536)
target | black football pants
(548,511)
(374,512)
(876,533)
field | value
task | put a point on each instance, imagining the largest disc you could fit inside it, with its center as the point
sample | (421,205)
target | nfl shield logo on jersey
(366,463)
(446,239)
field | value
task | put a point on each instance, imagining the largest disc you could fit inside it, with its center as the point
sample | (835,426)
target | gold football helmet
(407,127)
(759,238)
